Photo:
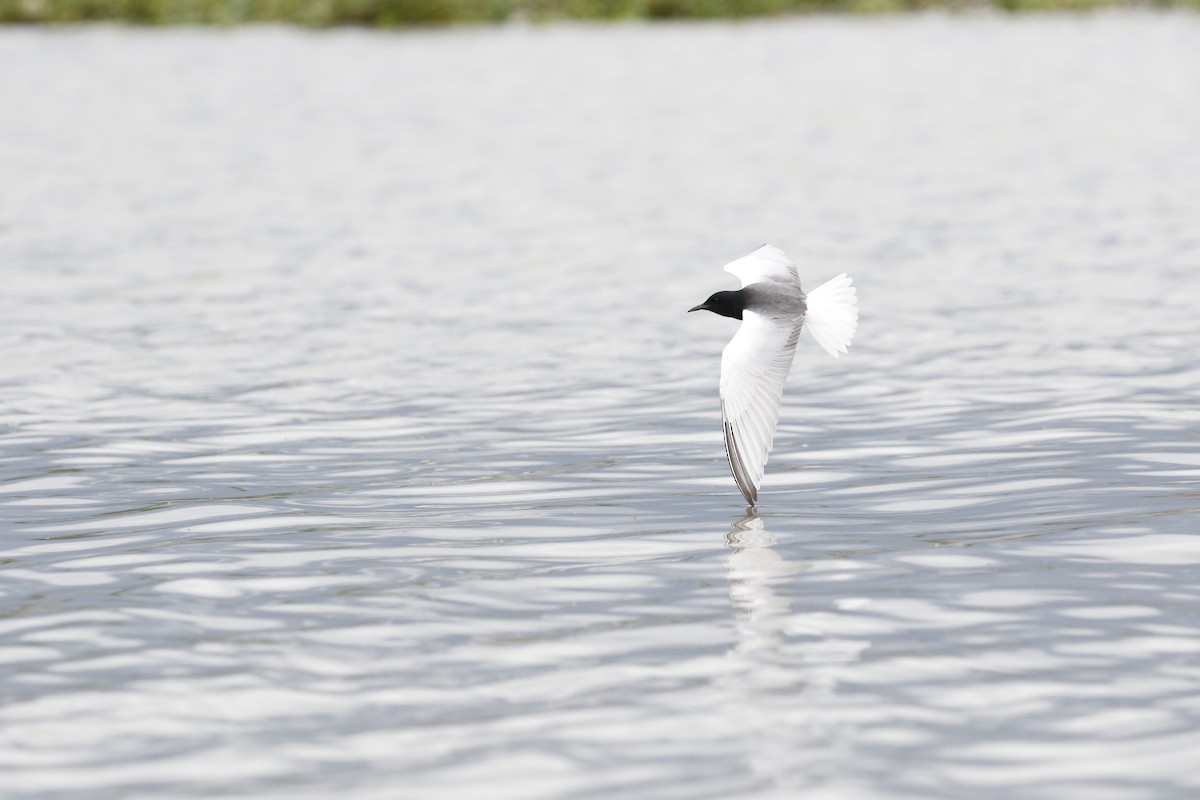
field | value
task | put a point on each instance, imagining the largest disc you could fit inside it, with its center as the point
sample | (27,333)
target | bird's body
(773,309)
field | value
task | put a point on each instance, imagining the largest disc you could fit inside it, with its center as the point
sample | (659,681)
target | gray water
(355,441)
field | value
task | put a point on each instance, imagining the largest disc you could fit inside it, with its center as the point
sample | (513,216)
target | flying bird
(755,364)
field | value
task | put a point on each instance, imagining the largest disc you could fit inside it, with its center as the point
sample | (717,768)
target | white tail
(832,314)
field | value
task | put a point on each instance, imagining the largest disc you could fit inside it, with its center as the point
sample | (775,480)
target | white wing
(832,316)
(765,264)
(754,367)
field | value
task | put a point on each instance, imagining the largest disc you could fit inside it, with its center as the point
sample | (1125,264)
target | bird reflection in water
(765,619)
(754,570)
(791,662)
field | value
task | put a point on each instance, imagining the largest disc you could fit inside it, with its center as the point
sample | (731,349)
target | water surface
(354,438)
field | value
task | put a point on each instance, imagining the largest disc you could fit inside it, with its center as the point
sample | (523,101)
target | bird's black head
(727,304)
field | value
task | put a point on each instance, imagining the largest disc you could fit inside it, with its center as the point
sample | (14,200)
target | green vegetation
(392,13)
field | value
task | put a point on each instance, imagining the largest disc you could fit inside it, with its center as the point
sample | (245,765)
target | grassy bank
(390,13)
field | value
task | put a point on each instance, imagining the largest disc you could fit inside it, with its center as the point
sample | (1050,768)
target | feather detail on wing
(764,265)
(832,316)
(754,368)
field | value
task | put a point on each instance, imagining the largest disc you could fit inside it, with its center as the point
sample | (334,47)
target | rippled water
(354,438)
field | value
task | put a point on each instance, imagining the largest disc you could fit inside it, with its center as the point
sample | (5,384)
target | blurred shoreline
(406,13)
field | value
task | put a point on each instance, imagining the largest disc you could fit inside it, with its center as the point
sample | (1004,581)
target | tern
(755,364)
